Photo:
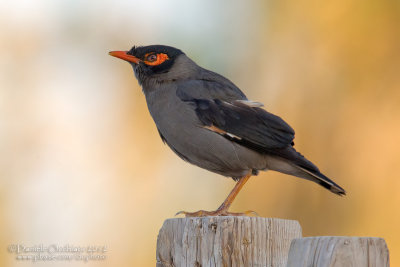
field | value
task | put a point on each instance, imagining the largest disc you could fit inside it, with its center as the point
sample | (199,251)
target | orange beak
(123,55)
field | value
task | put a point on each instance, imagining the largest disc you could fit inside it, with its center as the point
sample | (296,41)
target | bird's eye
(155,59)
(151,58)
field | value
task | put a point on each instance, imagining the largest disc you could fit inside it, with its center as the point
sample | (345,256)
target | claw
(251,212)
(199,213)
(219,212)
(223,209)
(180,212)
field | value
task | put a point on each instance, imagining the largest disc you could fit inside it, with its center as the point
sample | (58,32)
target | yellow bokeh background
(81,161)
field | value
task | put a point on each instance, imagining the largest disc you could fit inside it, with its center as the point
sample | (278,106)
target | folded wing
(248,125)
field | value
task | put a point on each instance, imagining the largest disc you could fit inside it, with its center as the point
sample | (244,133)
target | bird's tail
(322,180)
(293,163)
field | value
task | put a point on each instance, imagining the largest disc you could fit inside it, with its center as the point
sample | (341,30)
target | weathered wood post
(226,241)
(338,251)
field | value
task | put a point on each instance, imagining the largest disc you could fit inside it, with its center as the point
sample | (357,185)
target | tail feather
(324,181)
(293,163)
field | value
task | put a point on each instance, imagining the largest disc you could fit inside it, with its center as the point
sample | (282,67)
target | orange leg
(223,209)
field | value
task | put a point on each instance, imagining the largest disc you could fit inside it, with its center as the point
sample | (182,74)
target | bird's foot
(218,212)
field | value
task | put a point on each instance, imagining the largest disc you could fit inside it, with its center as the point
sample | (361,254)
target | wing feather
(255,127)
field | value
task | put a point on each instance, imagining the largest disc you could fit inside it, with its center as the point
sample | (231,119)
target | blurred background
(81,161)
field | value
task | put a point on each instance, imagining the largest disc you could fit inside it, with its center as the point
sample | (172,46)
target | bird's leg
(235,191)
(223,209)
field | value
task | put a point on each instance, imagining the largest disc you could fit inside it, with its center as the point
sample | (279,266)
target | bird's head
(149,61)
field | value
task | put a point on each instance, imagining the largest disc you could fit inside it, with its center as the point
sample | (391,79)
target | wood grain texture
(335,251)
(225,241)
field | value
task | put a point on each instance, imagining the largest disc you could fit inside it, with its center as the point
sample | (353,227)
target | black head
(149,60)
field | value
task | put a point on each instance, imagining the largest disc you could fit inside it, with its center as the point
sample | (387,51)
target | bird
(209,122)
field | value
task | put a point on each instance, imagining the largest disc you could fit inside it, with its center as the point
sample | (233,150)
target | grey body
(181,129)
(185,100)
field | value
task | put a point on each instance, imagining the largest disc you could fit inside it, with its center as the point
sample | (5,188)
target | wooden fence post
(338,251)
(226,241)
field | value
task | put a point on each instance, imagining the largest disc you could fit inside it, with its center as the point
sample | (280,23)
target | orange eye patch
(155,59)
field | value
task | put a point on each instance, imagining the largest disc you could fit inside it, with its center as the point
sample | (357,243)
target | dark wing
(220,87)
(252,127)
(209,89)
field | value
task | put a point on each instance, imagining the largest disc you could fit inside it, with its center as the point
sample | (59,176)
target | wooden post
(225,241)
(335,251)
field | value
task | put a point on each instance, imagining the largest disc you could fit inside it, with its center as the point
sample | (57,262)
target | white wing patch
(233,136)
(252,104)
